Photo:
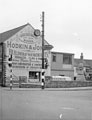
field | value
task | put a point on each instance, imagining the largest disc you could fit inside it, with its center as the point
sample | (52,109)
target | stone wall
(60,84)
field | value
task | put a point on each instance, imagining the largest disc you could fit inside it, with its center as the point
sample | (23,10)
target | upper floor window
(53,58)
(67,59)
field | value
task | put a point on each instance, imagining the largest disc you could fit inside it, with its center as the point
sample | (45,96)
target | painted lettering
(23,46)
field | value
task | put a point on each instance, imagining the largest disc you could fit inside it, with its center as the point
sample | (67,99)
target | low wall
(68,84)
(55,84)
(60,84)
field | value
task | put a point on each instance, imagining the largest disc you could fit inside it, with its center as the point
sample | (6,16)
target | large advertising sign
(26,50)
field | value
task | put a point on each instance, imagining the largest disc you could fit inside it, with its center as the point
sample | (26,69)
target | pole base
(42,87)
(10,86)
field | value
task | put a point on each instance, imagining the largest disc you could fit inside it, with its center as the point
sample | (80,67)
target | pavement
(51,89)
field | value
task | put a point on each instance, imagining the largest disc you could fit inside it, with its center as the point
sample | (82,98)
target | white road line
(67,108)
(60,116)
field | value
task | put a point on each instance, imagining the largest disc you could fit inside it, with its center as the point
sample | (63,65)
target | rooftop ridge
(7,34)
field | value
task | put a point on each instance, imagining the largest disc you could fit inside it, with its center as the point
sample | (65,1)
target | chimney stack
(81,57)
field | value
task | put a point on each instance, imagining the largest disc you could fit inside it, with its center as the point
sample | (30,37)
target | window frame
(54,58)
(67,59)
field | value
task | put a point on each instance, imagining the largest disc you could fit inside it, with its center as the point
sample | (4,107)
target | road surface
(48,104)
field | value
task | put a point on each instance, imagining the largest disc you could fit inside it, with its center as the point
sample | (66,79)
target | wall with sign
(26,51)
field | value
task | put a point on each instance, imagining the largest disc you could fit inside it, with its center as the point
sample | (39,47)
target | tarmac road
(48,104)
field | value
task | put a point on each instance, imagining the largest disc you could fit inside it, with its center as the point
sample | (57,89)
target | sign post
(47,47)
(10,65)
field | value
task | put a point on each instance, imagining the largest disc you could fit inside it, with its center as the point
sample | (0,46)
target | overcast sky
(68,23)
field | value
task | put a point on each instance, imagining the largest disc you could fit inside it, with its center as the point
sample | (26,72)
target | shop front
(34,75)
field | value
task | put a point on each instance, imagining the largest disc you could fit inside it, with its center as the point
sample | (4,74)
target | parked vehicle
(61,78)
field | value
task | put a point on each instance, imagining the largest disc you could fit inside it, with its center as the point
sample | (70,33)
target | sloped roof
(89,62)
(86,62)
(5,35)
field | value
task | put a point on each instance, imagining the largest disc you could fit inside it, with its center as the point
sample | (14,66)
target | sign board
(47,47)
(26,49)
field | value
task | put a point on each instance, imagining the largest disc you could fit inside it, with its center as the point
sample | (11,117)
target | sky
(68,23)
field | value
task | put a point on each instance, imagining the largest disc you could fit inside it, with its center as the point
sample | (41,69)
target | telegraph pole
(43,77)
(42,40)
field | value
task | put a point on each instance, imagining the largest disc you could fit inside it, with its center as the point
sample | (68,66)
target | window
(32,75)
(67,59)
(53,58)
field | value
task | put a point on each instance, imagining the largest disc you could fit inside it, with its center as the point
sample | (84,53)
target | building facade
(25,47)
(62,64)
(26,50)
(82,68)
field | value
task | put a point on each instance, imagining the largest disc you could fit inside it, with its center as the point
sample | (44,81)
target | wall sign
(26,49)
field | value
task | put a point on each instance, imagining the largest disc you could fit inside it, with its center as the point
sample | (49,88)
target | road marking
(68,108)
(65,108)
(60,116)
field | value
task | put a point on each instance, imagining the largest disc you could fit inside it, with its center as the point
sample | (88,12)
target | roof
(86,62)
(6,35)
(62,53)
(89,62)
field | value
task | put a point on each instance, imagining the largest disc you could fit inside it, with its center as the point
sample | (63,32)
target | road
(48,104)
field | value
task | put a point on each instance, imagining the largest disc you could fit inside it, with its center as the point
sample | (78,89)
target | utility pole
(43,77)
(42,40)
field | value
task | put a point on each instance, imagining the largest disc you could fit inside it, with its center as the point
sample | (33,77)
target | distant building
(82,68)
(62,64)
